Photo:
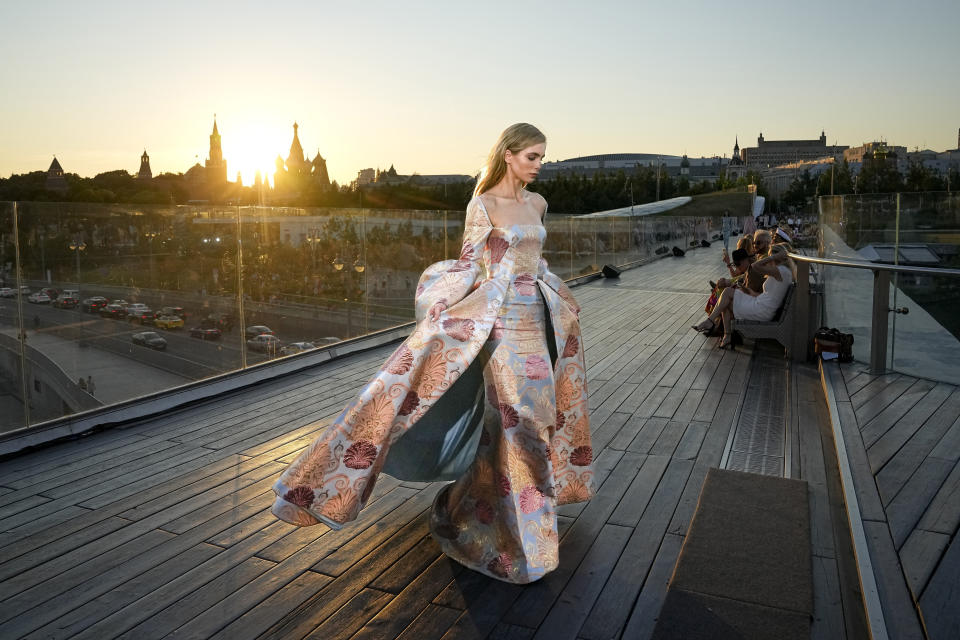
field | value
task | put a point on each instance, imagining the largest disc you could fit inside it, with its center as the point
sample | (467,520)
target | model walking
(489,391)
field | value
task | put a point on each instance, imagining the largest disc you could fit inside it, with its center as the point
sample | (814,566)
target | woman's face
(525,164)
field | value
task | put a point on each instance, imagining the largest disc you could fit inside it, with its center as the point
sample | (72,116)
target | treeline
(874,177)
(573,193)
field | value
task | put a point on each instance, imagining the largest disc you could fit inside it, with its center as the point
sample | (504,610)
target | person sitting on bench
(740,302)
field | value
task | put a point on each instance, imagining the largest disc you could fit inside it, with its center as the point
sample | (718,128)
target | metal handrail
(881,296)
(874,266)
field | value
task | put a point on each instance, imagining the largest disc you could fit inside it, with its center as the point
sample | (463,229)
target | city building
(55,179)
(295,174)
(772,153)
(376,178)
(694,169)
(868,151)
(145,173)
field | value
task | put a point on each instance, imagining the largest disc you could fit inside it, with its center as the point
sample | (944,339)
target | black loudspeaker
(678,252)
(610,271)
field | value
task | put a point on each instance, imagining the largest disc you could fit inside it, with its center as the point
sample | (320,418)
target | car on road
(222,321)
(7,292)
(264,343)
(114,310)
(320,342)
(24,290)
(38,298)
(296,347)
(171,311)
(94,304)
(168,322)
(139,312)
(257,330)
(206,333)
(65,301)
(50,291)
(150,339)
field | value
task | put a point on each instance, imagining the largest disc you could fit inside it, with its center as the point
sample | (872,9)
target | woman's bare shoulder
(538,201)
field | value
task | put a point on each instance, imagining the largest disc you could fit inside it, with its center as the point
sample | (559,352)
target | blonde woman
(489,391)
(740,302)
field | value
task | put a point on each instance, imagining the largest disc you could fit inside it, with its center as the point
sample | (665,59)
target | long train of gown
(515,460)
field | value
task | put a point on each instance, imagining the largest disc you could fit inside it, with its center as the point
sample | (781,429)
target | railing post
(878,332)
(801,314)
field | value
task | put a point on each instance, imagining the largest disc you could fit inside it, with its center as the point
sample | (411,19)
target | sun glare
(250,150)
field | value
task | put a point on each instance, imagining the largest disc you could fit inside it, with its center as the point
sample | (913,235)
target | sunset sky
(427,86)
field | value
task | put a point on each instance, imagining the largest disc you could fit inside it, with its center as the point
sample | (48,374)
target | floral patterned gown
(489,390)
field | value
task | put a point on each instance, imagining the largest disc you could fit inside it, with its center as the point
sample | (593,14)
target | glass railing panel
(558,249)
(925,342)
(591,242)
(13,387)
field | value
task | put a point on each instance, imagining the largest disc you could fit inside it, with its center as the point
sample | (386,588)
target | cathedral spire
(145,173)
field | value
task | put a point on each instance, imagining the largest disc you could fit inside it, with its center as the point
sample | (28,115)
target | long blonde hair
(516,138)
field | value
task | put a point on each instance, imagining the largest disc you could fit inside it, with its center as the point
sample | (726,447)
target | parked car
(65,301)
(71,292)
(7,292)
(24,290)
(205,333)
(257,330)
(320,342)
(264,343)
(94,304)
(114,310)
(171,311)
(38,298)
(168,322)
(139,312)
(296,347)
(51,292)
(150,339)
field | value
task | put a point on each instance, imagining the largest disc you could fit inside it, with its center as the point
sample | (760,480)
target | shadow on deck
(162,528)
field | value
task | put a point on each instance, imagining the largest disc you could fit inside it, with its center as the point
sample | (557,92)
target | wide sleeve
(554,281)
(445,283)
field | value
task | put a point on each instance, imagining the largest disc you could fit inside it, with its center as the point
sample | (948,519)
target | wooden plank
(874,406)
(575,601)
(635,500)
(907,508)
(537,598)
(404,609)
(643,616)
(827,622)
(896,456)
(669,438)
(693,437)
(432,622)
(311,613)
(867,495)
(351,616)
(630,577)
(405,571)
(920,555)
(949,447)
(648,435)
(83,617)
(898,611)
(892,415)
(943,514)
(940,602)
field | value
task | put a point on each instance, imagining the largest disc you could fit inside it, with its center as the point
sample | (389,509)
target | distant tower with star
(216,166)
(145,173)
(56,181)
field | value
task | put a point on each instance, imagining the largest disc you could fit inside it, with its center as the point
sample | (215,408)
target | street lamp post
(150,235)
(77,245)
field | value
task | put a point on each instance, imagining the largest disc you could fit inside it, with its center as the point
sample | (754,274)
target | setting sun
(249,148)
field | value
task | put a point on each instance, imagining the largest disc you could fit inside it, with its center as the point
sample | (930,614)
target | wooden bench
(781,328)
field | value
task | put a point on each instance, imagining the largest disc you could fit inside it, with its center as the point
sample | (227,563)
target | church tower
(216,165)
(145,173)
(296,158)
(55,178)
(736,159)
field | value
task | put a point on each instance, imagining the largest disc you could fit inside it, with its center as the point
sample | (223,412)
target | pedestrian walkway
(116,378)
(163,529)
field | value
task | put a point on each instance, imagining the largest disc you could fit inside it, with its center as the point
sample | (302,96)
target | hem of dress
(279,505)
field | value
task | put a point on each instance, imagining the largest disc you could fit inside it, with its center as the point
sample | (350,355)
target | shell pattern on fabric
(547,460)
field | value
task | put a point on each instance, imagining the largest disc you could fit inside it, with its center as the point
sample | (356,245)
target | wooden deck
(903,439)
(162,529)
